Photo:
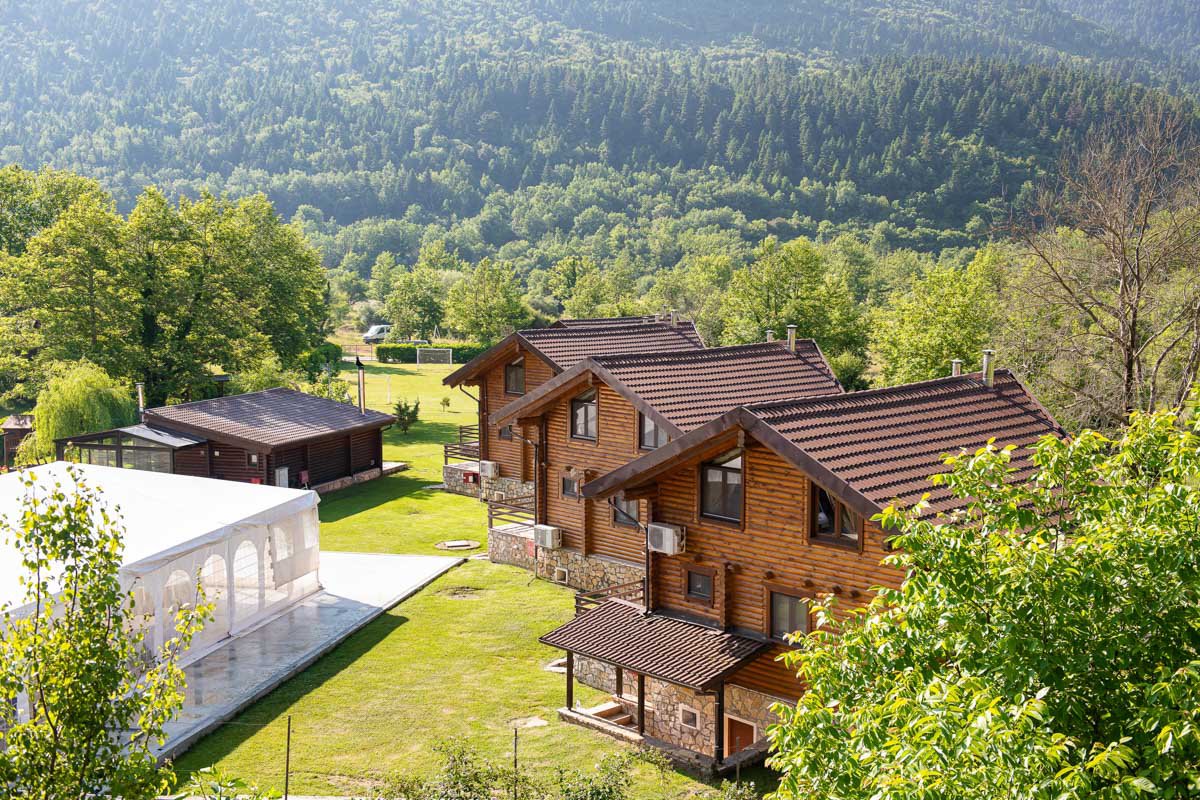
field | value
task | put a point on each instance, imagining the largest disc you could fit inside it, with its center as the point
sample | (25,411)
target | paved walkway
(357,588)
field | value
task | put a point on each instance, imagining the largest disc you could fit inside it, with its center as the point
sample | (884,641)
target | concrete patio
(357,588)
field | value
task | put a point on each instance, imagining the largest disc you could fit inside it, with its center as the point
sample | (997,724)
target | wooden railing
(634,592)
(467,446)
(512,511)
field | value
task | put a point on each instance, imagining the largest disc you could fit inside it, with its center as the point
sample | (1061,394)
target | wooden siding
(364,447)
(231,463)
(328,459)
(588,525)
(771,549)
(192,461)
(514,457)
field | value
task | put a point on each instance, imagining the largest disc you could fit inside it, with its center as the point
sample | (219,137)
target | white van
(376,334)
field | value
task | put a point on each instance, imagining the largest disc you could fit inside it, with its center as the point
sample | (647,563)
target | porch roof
(670,649)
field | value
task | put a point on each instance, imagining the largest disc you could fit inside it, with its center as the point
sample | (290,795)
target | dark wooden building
(753,516)
(14,431)
(279,436)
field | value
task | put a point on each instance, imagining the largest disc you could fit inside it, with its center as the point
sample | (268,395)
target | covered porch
(668,677)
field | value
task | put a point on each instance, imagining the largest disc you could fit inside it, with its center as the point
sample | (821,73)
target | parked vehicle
(376,334)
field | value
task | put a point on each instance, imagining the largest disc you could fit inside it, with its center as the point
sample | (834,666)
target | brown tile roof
(18,422)
(671,649)
(268,419)
(690,388)
(567,342)
(566,346)
(887,443)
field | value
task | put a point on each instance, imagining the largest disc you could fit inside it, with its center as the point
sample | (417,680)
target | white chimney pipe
(791,329)
(989,368)
(674,319)
(956,367)
(141,391)
(770,334)
(362,385)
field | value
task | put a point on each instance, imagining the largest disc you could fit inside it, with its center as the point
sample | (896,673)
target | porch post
(641,704)
(620,682)
(719,744)
(570,680)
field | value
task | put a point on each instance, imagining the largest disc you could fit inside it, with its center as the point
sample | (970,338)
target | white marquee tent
(254,549)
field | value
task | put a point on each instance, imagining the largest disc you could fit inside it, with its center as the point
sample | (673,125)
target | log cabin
(280,437)
(486,460)
(607,411)
(14,430)
(753,516)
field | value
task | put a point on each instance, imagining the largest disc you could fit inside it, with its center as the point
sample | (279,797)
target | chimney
(674,319)
(770,334)
(141,391)
(989,368)
(362,385)
(791,337)
(956,367)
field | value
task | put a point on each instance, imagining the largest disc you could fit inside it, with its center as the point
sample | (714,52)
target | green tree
(265,373)
(79,398)
(97,696)
(416,304)
(946,313)
(486,303)
(437,257)
(1045,643)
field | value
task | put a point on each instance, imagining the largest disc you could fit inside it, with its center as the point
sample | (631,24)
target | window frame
(520,362)
(840,511)
(683,708)
(574,493)
(505,433)
(718,463)
(707,572)
(578,401)
(769,592)
(658,432)
(624,518)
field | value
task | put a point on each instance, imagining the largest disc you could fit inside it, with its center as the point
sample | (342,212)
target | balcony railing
(512,511)
(634,592)
(467,446)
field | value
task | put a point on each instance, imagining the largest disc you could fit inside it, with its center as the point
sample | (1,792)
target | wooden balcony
(513,512)
(633,592)
(466,448)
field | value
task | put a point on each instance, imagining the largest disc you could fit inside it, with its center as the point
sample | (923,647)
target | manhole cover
(458,544)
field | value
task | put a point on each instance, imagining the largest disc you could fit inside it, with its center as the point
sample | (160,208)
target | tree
(486,303)
(384,273)
(97,698)
(1045,643)
(266,373)
(791,284)
(406,414)
(1105,303)
(945,314)
(417,304)
(79,398)
(329,386)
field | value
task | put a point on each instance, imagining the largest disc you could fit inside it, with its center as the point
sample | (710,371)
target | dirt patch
(460,592)
(528,722)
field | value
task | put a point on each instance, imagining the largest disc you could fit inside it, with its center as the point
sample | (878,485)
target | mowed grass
(458,662)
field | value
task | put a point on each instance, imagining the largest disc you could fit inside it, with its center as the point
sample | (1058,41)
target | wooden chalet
(280,437)
(749,518)
(607,411)
(13,431)
(519,364)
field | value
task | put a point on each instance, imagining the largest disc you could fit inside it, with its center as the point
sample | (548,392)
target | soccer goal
(435,355)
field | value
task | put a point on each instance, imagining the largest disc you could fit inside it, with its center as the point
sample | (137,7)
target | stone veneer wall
(454,478)
(512,544)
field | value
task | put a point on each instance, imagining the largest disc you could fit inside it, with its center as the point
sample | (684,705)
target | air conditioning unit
(547,537)
(666,539)
(489,469)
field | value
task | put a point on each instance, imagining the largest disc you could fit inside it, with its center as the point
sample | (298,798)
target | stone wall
(513,544)
(454,478)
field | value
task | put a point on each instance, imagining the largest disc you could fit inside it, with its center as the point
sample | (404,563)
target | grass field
(458,662)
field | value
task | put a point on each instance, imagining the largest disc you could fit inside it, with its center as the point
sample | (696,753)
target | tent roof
(163,515)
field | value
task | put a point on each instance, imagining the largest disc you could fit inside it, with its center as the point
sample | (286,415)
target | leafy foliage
(406,413)
(1044,643)
(79,398)
(486,304)
(98,697)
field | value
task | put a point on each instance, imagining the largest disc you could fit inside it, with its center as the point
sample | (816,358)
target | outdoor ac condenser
(665,539)
(489,469)
(547,537)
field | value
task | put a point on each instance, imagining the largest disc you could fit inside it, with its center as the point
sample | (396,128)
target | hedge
(321,356)
(407,353)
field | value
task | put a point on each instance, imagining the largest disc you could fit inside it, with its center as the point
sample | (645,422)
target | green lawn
(459,661)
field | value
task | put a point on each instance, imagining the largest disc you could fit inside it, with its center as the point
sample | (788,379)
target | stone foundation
(513,544)
(454,477)
(359,477)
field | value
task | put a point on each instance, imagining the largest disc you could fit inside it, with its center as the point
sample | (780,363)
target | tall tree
(416,304)
(79,398)
(1045,643)
(97,697)
(486,303)
(1105,304)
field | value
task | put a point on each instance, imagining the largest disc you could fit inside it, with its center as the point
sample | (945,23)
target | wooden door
(738,735)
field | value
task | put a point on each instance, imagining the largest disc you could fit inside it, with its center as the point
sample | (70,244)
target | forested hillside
(624,131)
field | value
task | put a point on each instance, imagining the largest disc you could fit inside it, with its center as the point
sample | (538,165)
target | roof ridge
(969,378)
(228,397)
(584,329)
(701,353)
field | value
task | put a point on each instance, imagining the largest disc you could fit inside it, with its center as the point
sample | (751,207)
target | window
(789,614)
(583,416)
(570,487)
(688,717)
(514,377)
(506,433)
(700,585)
(625,512)
(721,488)
(251,459)
(650,436)
(832,521)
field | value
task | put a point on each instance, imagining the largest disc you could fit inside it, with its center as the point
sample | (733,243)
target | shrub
(326,356)
(407,353)
(406,414)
